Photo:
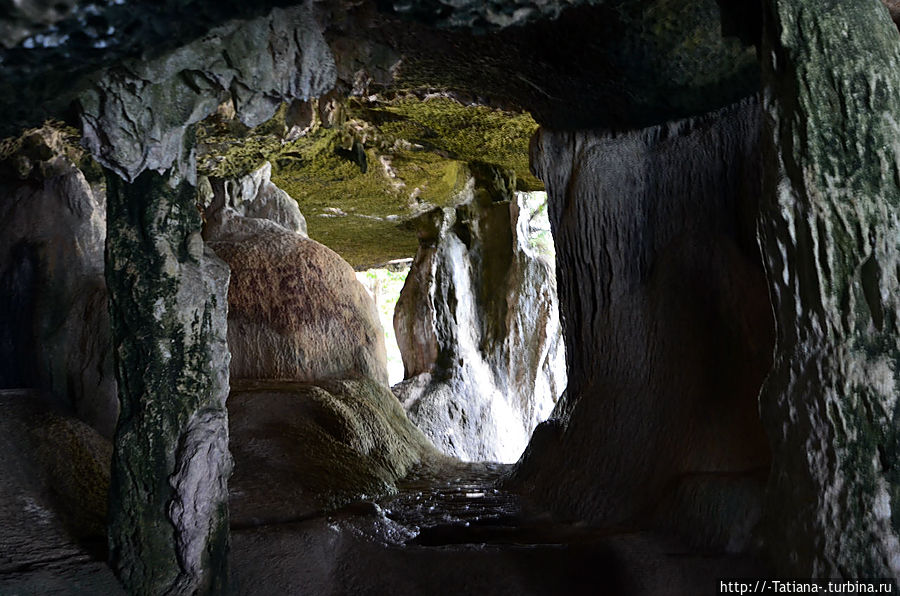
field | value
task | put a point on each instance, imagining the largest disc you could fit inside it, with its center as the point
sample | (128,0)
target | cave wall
(54,325)
(667,326)
(478,326)
(829,229)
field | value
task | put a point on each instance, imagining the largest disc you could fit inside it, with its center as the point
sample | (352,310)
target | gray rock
(831,238)
(481,14)
(296,309)
(301,448)
(667,326)
(53,497)
(478,328)
(254,196)
(54,322)
(168,507)
(135,116)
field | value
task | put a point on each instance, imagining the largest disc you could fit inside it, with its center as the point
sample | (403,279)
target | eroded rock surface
(135,117)
(829,230)
(303,448)
(667,325)
(296,310)
(55,472)
(478,326)
(168,497)
(54,322)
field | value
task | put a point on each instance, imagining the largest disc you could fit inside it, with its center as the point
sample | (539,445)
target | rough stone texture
(22,17)
(168,508)
(303,448)
(54,323)
(667,325)
(651,60)
(831,237)
(135,116)
(478,327)
(296,310)
(254,196)
(55,472)
(480,14)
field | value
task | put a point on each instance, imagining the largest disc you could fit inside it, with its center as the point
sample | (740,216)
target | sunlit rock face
(54,324)
(667,326)
(478,326)
(831,237)
(296,310)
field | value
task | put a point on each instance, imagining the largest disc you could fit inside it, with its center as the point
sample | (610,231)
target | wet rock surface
(303,448)
(478,326)
(451,530)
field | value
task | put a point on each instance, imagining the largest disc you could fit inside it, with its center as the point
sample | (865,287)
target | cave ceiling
(411,92)
(616,64)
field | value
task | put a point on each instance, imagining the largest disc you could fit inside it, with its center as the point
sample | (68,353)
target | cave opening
(430,199)
(180,266)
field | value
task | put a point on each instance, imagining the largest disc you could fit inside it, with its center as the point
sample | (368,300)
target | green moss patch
(383,162)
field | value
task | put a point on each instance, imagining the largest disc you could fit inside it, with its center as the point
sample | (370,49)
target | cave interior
(448,296)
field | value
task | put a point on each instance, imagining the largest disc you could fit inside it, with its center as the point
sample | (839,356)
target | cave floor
(450,530)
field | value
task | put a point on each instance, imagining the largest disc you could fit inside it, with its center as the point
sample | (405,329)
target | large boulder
(300,448)
(478,325)
(54,322)
(295,308)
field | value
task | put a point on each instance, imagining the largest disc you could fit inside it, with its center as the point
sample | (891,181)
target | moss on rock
(378,163)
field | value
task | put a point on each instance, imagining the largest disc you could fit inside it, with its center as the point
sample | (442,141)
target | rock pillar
(830,231)
(168,501)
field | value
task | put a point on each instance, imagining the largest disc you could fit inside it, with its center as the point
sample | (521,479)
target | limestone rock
(53,499)
(478,328)
(254,196)
(54,322)
(296,310)
(831,239)
(168,495)
(136,117)
(667,324)
(480,14)
(300,448)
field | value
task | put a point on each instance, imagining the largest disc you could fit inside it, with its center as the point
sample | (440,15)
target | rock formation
(136,117)
(296,310)
(831,238)
(53,500)
(54,325)
(302,448)
(168,309)
(667,325)
(478,326)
